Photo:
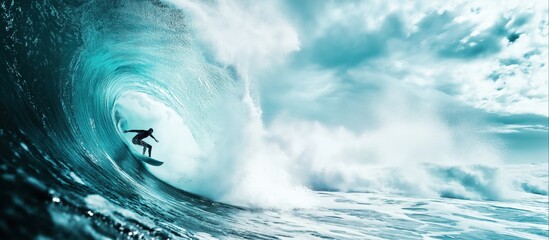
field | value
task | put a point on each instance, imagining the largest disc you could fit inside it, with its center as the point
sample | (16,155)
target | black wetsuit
(138,139)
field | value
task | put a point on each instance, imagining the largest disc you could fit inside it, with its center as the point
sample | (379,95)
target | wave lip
(530,188)
(469,182)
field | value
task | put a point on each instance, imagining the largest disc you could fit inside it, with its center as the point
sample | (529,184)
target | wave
(184,69)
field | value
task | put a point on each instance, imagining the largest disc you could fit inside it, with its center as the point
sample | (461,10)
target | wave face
(100,68)
(116,64)
(76,74)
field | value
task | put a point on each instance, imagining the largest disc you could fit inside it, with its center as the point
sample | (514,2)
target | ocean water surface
(276,120)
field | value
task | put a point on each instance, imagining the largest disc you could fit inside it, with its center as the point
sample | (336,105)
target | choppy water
(69,205)
(74,74)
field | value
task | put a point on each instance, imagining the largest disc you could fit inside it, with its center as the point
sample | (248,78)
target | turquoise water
(273,122)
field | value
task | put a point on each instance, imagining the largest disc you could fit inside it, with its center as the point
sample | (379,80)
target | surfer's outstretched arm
(154,138)
(137,131)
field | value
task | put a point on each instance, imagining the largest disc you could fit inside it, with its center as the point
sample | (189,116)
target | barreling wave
(102,67)
(71,87)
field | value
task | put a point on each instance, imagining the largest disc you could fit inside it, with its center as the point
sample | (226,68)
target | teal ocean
(275,120)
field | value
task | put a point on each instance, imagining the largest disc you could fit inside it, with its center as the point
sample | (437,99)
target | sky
(477,67)
(489,55)
(480,60)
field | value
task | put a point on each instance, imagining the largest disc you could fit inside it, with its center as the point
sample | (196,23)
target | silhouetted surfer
(138,139)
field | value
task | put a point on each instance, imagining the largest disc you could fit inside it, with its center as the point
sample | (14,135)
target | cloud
(469,60)
(458,41)
(242,33)
(487,55)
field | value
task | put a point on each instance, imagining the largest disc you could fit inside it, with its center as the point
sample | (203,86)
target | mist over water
(404,143)
(290,119)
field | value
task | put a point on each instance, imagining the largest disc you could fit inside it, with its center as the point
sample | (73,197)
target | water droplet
(24,146)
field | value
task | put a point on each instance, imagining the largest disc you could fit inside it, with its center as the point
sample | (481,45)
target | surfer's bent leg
(146,145)
(140,142)
(150,149)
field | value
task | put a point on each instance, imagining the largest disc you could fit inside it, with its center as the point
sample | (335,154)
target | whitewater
(268,128)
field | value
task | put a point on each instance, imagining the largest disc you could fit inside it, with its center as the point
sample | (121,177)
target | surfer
(138,139)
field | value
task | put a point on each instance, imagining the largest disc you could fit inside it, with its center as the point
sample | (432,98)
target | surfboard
(148,160)
(143,158)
